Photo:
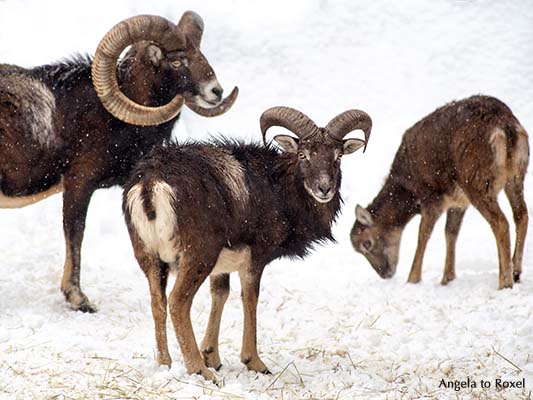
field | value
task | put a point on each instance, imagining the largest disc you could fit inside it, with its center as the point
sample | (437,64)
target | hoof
(516,277)
(87,308)
(211,358)
(219,381)
(164,360)
(446,279)
(413,280)
(505,285)
(78,301)
(255,365)
(206,374)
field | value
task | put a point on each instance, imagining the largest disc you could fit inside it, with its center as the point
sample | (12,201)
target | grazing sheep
(463,153)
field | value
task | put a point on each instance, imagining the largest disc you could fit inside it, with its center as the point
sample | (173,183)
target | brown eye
(301,155)
(367,244)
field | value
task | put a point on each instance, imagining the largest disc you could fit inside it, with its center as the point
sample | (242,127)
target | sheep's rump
(163,203)
(477,143)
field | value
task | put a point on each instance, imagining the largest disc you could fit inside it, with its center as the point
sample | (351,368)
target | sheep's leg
(157,274)
(190,277)
(219,294)
(429,217)
(76,199)
(515,193)
(491,211)
(454,219)
(250,283)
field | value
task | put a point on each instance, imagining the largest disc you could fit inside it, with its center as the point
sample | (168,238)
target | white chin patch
(322,200)
(317,198)
(202,103)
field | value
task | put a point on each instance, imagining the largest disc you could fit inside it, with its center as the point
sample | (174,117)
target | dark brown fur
(219,227)
(86,147)
(463,153)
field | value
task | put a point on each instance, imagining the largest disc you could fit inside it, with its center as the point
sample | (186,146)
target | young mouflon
(212,208)
(463,153)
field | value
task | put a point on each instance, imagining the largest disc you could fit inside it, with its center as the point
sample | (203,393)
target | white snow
(328,326)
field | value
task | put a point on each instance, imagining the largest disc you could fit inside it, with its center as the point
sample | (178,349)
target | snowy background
(328,326)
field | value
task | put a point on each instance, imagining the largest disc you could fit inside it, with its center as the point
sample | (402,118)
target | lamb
(61,133)
(463,153)
(212,208)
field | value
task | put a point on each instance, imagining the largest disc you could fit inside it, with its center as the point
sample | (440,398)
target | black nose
(217,91)
(325,190)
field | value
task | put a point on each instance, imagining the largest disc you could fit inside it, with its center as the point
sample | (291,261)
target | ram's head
(317,151)
(174,53)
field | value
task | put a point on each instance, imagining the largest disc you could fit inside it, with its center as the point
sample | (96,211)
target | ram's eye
(176,63)
(301,155)
(367,245)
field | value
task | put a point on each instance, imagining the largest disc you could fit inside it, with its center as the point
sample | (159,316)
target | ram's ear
(363,216)
(351,145)
(287,143)
(154,54)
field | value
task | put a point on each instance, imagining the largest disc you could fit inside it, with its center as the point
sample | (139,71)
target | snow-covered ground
(328,326)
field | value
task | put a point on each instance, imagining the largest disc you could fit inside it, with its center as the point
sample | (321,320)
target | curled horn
(295,121)
(192,26)
(125,33)
(349,121)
